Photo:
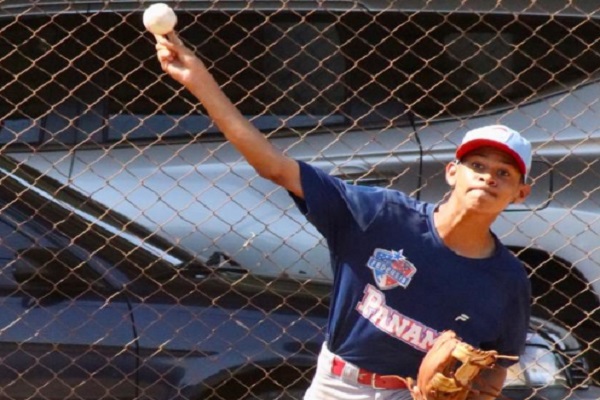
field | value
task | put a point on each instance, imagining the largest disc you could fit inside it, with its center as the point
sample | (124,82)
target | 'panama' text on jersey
(373,307)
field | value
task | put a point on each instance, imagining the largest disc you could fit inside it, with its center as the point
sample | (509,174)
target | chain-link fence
(142,257)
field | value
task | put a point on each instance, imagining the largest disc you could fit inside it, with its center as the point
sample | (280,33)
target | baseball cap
(502,138)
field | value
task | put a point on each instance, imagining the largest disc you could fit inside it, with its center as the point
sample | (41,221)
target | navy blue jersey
(397,286)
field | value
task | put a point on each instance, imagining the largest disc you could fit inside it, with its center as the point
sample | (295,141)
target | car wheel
(562,295)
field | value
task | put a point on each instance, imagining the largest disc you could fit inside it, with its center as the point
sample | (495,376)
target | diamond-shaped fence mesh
(141,256)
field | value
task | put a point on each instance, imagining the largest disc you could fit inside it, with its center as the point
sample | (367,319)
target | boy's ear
(451,170)
(522,193)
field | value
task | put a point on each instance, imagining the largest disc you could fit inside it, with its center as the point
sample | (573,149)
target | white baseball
(160,19)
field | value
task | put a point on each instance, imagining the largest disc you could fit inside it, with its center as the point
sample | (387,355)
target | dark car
(94,306)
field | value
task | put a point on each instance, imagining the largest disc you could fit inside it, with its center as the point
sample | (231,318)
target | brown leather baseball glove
(449,369)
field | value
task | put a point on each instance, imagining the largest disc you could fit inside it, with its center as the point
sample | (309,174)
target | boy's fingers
(416,393)
(172,36)
(164,54)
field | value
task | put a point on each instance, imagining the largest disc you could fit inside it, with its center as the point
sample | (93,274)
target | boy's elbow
(285,174)
(279,179)
(274,174)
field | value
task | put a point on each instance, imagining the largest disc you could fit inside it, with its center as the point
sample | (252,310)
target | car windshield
(98,230)
(95,77)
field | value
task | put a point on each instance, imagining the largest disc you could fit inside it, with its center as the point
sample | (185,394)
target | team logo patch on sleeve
(391,269)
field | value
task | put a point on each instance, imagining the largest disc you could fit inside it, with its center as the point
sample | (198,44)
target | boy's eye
(477,165)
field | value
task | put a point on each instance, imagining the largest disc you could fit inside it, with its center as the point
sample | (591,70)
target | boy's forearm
(268,161)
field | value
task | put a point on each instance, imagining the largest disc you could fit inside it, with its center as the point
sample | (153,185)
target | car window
(59,227)
(24,238)
(95,79)
(12,240)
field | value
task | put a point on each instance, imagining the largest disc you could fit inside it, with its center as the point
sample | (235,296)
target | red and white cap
(502,138)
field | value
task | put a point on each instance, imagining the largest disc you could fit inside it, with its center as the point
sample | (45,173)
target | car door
(201,331)
(64,333)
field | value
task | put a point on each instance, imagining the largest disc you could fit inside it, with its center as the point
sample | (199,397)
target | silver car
(377,93)
(550,368)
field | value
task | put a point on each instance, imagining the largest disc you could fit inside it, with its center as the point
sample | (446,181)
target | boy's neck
(467,234)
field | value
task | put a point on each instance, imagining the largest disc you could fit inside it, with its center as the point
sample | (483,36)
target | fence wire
(142,257)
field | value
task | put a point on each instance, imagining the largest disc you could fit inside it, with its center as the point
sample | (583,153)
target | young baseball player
(404,270)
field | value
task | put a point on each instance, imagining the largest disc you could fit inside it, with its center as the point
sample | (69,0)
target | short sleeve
(329,200)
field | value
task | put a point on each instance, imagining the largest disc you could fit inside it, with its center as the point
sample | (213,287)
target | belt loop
(350,372)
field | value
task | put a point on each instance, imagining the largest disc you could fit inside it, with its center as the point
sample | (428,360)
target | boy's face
(487,180)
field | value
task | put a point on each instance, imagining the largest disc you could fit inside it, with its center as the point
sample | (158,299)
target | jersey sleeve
(329,201)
